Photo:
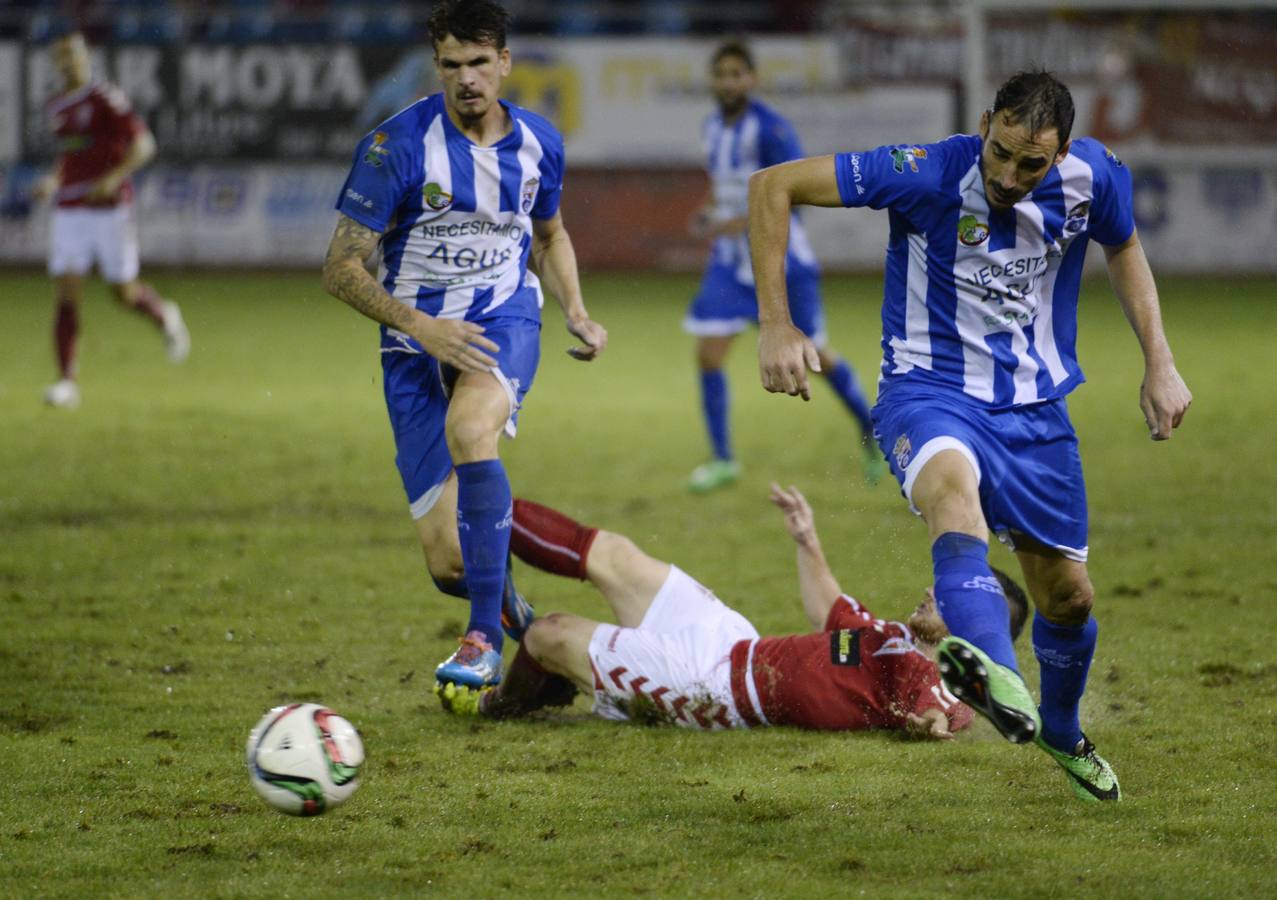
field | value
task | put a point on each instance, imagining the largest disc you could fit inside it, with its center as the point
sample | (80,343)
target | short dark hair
(738,49)
(469,21)
(1017,602)
(1039,100)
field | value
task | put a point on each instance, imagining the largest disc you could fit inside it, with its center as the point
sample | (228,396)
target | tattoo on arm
(346,278)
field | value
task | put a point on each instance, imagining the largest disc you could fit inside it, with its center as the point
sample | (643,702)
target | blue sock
(843,380)
(714,403)
(969,598)
(1064,658)
(484,512)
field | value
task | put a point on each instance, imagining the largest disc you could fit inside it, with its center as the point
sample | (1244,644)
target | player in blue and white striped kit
(984,260)
(460,192)
(740,137)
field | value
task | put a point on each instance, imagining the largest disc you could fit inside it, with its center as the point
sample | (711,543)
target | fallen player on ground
(678,654)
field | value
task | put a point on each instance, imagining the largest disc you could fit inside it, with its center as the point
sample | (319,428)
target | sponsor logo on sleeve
(972,232)
(844,647)
(436,197)
(902,156)
(1075,221)
(903,452)
(529,194)
(376,150)
(1112,157)
(352,194)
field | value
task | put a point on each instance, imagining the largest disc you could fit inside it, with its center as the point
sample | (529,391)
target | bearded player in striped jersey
(679,655)
(460,192)
(101,143)
(984,261)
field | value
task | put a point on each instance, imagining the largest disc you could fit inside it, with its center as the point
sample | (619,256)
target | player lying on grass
(679,654)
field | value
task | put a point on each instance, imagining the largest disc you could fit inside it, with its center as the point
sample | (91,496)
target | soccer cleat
(64,394)
(1090,775)
(875,467)
(516,613)
(177,339)
(996,692)
(476,664)
(461,700)
(713,475)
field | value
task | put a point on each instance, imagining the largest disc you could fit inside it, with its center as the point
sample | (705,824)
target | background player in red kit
(681,655)
(101,143)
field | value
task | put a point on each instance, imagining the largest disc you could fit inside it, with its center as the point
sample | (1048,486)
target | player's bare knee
(1070,603)
(546,635)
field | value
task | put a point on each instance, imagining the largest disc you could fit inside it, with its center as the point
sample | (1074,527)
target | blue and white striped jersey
(456,218)
(760,137)
(979,300)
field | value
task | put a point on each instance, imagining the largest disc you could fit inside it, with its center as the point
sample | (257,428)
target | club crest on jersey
(844,647)
(436,197)
(903,452)
(1075,221)
(375,150)
(972,232)
(529,194)
(902,156)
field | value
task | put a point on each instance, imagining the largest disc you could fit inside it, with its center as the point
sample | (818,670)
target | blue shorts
(1026,460)
(418,405)
(724,306)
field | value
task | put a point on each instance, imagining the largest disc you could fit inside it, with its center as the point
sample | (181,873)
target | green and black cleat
(1089,774)
(994,691)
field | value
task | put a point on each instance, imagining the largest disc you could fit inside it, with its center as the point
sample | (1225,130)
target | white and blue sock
(714,404)
(485,509)
(969,597)
(843,380)
(1064,655)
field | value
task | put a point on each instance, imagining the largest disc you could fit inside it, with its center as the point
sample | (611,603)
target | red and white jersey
(95,125)
(859,673)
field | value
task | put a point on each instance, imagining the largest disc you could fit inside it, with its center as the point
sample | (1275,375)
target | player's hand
(932,725)
(784,356)
(591,334)
(800,522)
(44,188)
(105,188)
(1164,398)
(457,343)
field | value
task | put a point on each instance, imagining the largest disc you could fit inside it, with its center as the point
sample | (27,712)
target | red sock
(66,328)
(149,303)
(549,540)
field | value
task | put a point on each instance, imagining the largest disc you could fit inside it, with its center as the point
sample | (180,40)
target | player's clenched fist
(591,334)
(1164,398)
(784,356)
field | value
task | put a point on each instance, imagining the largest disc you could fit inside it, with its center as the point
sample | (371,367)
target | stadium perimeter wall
(255,141)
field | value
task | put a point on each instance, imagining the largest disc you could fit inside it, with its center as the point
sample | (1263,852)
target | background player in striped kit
(101,143)
(680,655)
(988,237)
(460,191)
(741,136)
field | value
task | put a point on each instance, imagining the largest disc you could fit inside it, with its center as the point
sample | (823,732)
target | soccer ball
(304,759)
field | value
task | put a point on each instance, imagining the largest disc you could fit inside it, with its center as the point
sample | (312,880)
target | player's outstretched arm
(784,353)
(453,341)
(1164,398)
(555,261)
(816,582)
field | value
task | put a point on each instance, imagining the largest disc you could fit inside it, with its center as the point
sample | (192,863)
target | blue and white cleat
(476,664)
(516,613)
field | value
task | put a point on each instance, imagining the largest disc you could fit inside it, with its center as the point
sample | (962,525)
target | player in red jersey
(101,143)
(679,654)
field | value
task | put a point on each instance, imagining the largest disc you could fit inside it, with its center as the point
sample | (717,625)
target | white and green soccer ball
(304,759)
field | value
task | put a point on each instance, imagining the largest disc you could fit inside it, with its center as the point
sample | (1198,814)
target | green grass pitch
(197,544)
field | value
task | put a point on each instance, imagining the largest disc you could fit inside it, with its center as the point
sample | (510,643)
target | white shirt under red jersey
(94,125)
(859,673)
